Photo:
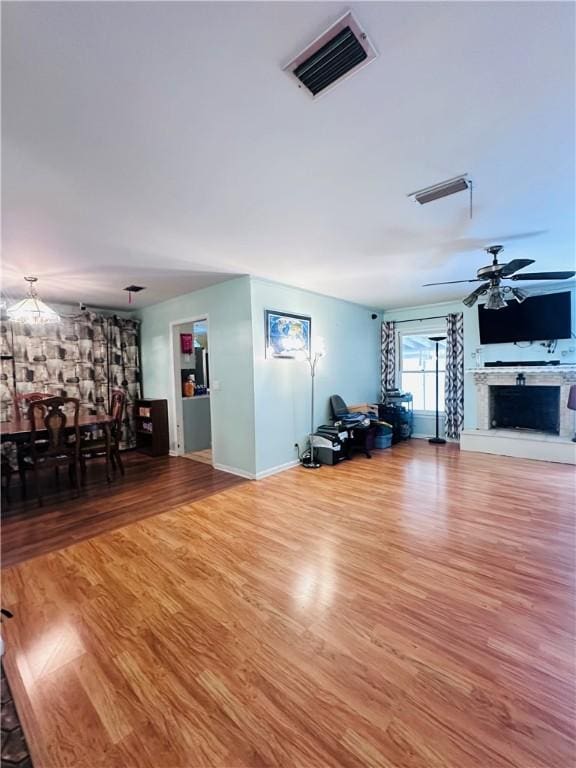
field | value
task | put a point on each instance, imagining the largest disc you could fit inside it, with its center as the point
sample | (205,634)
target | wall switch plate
(215,385)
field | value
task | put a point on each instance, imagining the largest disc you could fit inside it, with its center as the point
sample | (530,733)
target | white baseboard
(520,445)
(235,471)
(172,452)
(275,470)
(259,475)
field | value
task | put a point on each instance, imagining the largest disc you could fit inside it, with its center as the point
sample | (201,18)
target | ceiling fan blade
(452,282)
(514,266)
(472,298)
(544,276)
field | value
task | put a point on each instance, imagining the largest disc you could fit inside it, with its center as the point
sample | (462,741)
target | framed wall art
(287,335)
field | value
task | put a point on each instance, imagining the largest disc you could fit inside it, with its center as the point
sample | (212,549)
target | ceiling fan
(492,275)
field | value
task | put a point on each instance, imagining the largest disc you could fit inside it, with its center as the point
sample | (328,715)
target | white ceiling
(161,144)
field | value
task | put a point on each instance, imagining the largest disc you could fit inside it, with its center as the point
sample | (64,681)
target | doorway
(191,355)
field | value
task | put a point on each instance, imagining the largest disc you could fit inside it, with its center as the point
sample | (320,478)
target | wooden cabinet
(151,417)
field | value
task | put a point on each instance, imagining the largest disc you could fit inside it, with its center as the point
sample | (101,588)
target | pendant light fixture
(32,309)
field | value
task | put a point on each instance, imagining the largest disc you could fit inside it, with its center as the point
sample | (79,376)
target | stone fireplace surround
(521,443)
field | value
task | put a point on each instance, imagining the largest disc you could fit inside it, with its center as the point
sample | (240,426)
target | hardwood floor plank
(411,611)
(150,486)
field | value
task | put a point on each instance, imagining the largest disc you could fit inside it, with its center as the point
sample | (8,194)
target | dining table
(20,428)
(18,431)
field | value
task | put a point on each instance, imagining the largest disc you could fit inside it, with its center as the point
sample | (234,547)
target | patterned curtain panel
(84,356)
(388,359)
(454,391)
(124,369)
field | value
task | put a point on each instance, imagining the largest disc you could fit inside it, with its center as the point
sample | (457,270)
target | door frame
(176,412)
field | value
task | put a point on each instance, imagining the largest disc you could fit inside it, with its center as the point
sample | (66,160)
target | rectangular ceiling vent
(338,53)
(442,189)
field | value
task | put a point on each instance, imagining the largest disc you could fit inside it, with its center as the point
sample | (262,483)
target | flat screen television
(538,318)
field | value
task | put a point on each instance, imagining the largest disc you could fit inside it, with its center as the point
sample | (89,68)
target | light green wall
(262,406)
(565,350)
(351,368)
(227,306)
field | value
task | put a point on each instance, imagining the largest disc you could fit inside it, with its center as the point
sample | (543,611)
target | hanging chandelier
(32,309)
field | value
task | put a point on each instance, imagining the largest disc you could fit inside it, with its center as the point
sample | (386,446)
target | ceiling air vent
(338,53)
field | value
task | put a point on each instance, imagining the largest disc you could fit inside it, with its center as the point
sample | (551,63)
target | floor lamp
(313,359)
(437,439)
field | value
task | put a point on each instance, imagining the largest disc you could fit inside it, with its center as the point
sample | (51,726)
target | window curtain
(124,370)
(388,359)
(83,356)
(454,388)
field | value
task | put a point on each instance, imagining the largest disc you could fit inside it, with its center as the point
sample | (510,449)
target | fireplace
(521,407)
(521,411)
(540,379)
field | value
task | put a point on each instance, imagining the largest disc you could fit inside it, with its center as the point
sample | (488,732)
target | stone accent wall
(548,376)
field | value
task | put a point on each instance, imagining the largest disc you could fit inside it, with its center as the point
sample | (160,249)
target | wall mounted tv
(538,318)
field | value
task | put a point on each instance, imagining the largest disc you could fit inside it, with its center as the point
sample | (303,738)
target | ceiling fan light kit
(470,300)
(491,277)
(519,295)
(495,299)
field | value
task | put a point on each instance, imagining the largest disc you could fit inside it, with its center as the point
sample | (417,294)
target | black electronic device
(537,318)
(519,363)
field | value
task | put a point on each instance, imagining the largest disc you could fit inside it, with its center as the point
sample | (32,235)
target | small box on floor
(383,437)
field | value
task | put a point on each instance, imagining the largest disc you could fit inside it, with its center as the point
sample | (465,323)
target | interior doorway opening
(190,344)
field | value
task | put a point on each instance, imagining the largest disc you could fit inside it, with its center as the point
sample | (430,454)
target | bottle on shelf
(189,386)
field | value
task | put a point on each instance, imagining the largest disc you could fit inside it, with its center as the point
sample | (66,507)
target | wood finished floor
(204,456)
(149,487)
(412,611)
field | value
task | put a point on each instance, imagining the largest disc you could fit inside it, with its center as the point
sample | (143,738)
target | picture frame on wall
(186,343)
(287,335)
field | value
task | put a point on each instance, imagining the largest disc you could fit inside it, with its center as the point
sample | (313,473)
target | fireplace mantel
(562,376)
(562,373)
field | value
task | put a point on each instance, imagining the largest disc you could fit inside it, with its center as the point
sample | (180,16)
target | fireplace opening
(522,407)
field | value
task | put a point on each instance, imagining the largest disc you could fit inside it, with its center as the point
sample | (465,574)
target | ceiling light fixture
(495,299)
(32,309)
(519,295)
(443,189)
(469,301)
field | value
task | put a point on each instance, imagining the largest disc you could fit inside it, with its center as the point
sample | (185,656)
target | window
(418,370)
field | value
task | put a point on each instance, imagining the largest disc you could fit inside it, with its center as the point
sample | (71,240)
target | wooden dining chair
(93,447)
(23,400)
(6,472)
(54,438)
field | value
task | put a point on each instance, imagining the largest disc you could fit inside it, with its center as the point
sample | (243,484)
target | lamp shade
(495,300)
(572,398)
(32,310)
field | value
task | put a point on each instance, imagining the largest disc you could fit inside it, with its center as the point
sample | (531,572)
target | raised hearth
(521,411)
(546,376)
